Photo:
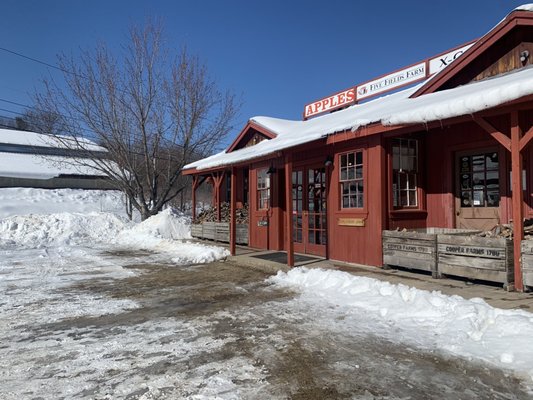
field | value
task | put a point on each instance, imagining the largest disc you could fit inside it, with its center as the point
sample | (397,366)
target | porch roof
(391,110)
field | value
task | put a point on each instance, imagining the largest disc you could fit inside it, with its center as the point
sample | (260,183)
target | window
(263,189)
(479,181)
(351,179)
(404,173)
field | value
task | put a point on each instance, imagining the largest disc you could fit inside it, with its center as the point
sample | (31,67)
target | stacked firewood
(506,230)
(210,214)
(499,231)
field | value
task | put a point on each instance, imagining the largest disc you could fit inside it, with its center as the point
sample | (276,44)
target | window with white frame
(263,189)
(404,172)
(351,179)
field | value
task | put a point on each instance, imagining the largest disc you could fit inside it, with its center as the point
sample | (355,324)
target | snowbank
(165,232)
(24,201)
(161,233)
(63,229)
(467,328)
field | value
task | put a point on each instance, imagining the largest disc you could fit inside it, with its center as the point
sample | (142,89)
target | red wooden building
(452,152)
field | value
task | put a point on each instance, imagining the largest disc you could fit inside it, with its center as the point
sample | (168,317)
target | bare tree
(41,121)
(152,113)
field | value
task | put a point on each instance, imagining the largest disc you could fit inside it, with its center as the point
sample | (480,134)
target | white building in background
(29,159)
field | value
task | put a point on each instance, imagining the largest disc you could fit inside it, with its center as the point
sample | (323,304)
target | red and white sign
(438,63)
(392,81)
(330,103)
(406,76)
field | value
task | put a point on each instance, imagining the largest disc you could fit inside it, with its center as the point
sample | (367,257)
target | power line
(67,117)
(18,54)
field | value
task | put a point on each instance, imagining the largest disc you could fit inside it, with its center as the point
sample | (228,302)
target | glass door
(309,210)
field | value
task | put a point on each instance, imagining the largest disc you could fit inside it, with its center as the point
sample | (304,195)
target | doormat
(281,257)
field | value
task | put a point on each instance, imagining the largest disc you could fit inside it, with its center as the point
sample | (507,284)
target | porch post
(194,186)
(289,245)
(517,198)
(233,204)
(217,179)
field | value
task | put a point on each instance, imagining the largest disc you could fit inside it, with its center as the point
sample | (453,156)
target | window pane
(478,198)
(359,172)
(359,157)
(493,199)
(344,174)
(478,180)
(403,198)
(478,163)
(344,160)
(412,198)
(465,182)
(492,160)
(360,200)
(492,180)
(466,199)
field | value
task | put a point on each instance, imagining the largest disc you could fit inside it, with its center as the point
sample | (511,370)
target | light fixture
(329,161)
(271,170)
(524,56)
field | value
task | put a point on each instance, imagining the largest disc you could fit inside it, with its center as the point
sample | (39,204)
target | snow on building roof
(32,166)
(524,7)
(25,138)
(395,109)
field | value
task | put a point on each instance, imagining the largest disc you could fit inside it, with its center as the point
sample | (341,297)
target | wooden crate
(242,234)
(197,231)
(222,232)
(415,249)
(209,230)
(474,257)
(527,262)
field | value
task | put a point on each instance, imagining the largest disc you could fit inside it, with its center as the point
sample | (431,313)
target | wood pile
(210,214)
(506,231)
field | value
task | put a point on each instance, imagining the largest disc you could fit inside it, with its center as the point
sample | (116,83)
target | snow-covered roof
(395,109)
(25,138)
(31,166)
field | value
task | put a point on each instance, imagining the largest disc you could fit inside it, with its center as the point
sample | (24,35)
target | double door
(309,225)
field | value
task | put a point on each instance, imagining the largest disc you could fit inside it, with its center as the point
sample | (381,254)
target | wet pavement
(222,331)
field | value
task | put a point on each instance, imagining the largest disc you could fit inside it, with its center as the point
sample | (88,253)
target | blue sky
(277,55)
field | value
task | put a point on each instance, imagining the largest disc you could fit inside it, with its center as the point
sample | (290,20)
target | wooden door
(309,210)
(478,190)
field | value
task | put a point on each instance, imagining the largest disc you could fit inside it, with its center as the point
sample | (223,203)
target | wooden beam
(193,195)
(524,140)
(233,219)
(517,198)
(496,134)
(289,245)
(217,179)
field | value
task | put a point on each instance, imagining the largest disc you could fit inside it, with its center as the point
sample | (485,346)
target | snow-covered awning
(395,109)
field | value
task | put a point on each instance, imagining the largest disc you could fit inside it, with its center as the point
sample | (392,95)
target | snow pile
(36,231)
(167,232)
(168,224)
(467,328)
(24,201)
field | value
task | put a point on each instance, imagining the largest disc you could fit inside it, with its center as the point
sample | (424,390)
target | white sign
(392,81)
(440,62)
(330,103)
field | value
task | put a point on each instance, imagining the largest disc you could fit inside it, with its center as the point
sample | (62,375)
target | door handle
(458,213)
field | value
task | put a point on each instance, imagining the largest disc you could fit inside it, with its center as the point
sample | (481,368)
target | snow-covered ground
(77,319)
(470,329)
